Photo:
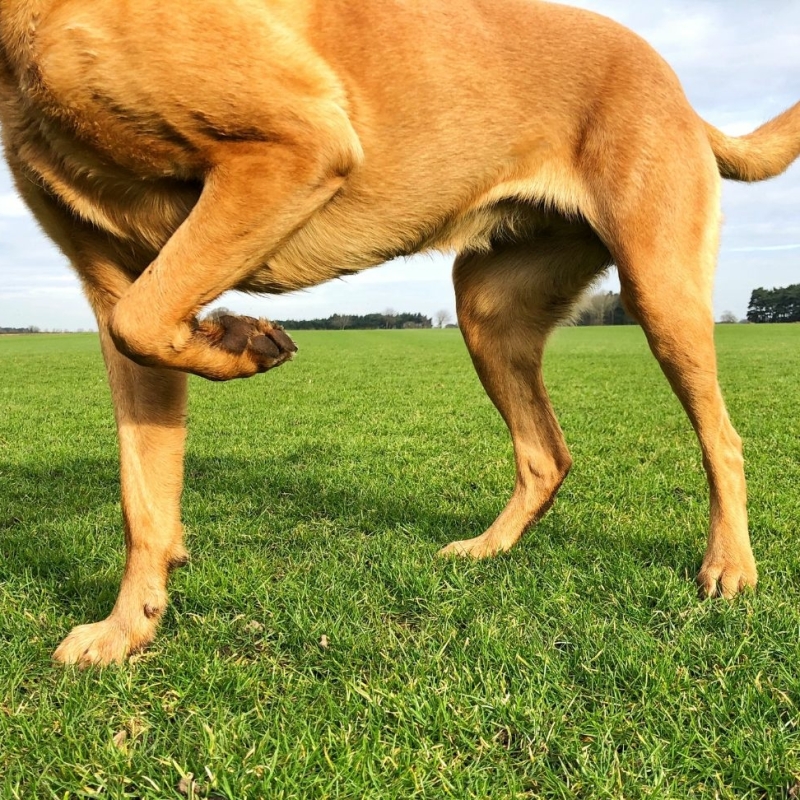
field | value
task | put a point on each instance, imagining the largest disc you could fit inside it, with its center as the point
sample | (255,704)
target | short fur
(178,150)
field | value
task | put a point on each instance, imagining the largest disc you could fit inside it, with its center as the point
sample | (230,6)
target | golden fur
(178,150)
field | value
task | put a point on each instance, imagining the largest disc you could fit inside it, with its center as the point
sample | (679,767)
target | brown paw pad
(267,344)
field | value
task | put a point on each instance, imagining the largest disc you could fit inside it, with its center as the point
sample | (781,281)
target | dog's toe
(256,345)
(98,644)
(480,547)
(726,578)
(269,345)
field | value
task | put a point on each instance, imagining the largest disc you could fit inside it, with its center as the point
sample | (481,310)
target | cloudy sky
(739,61)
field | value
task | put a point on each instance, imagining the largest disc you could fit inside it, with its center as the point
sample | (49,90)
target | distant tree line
(775,305)
(601,308)
(29,329)
(339,322)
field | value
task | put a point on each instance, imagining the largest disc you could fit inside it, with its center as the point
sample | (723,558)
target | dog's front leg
(253,199)
(150,409)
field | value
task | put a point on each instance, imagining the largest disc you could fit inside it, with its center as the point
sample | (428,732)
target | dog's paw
(721,577)
(98,644)
(256,343)
(482,546)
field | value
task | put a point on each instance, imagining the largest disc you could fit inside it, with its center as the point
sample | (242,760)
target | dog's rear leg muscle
(508,302)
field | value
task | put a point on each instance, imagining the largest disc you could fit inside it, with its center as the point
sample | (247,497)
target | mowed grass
(580,665)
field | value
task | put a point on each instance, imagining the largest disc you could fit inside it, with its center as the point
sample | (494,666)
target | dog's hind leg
(666,248)
(508,302)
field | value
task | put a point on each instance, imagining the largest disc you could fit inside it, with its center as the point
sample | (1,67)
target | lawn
(316,648)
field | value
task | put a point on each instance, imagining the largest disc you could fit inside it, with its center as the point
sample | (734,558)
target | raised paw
(721,577)
(99,644)
(258,342)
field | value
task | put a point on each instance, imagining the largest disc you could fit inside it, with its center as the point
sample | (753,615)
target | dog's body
(178,150)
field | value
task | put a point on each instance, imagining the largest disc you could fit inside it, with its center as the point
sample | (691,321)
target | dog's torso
(473,118)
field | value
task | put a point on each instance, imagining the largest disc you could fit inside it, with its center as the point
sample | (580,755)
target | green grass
(580,665)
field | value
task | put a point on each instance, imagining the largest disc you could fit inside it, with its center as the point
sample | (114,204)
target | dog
(175,151)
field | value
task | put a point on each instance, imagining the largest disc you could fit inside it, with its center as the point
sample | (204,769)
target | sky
(739,61)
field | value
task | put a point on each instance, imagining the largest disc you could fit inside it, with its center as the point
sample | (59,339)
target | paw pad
(266,344)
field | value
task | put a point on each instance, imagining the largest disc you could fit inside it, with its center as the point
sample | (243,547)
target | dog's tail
(763,154)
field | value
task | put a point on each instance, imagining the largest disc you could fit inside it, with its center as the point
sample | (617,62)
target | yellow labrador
(176,150)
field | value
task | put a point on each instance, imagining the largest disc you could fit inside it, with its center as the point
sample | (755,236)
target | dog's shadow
(61,523)
(79,559)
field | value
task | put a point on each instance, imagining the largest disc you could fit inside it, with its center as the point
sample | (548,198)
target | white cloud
(771,249)
(12,207)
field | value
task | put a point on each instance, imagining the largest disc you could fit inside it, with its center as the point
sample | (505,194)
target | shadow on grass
(61,523)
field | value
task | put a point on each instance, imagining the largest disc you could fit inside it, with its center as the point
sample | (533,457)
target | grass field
(580,665)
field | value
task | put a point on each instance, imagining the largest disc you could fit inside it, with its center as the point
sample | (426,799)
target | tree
(775,305)
(728,318)
(218,313)
(597,308)
(337,322)
(390,315)
(341,321)
(600,308)
(442,317)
